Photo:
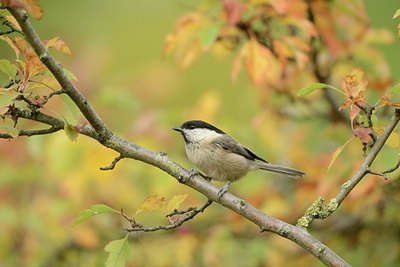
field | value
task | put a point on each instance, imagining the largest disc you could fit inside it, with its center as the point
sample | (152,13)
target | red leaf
(13,3)
(233,10)
(363,134)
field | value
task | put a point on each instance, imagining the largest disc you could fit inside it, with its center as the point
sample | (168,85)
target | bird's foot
(223,189)
(194,172)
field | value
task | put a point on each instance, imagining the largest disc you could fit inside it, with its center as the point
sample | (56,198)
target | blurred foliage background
(118,59)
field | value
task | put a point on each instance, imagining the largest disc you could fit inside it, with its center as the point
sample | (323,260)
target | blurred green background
(45,181)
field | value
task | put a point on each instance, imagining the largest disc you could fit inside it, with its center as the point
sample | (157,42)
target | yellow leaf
(394,140)
(58,44)
(337,153)
(153,202)
(174,202)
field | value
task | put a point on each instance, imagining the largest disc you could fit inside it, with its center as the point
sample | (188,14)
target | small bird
(221,157)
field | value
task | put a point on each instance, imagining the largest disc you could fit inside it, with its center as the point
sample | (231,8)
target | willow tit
(221,157)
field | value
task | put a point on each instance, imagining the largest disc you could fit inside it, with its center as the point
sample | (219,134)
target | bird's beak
(178,129)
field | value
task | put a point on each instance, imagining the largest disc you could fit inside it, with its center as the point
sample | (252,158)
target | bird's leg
(223,189)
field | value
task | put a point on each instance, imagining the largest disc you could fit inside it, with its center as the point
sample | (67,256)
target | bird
(220,157)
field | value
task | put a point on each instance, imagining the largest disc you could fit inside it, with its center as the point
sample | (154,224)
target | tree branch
(320,211)
(58,72)
(99,131)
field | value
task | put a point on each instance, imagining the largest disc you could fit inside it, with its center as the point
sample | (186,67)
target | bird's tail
(280,169)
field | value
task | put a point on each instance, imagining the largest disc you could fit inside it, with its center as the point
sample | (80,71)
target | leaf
(34,8)
(395,89)
(233,10)
(174,202)
(363,134)
(93,210)
(396,14)
(70,131)
(337,153)
(118,252)
(309,89)
(258,59)
(69,74)
(209,35)
(72,107)
(58,44)
(393,141)
(8,68)
(10,130)
(7,97)
(354,111)
(153,202)
(13,3)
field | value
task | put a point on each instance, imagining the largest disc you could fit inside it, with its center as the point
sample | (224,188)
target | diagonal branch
(58,72)
(99,131)
(320,211)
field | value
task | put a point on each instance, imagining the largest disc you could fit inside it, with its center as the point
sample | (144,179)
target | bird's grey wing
(233,146)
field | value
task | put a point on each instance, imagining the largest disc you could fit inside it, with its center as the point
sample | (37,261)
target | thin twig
(113,163)
(384,173)
(187,215)
(320,211)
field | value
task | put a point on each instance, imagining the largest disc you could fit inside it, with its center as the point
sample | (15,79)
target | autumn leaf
(337,152)
(325,26)
(33,7)
(151,203)
(13,3)
(363,134)
(233,10)
(70,131)
(354,86)
(174,202)
(354,111)
(257,61)
(58,44)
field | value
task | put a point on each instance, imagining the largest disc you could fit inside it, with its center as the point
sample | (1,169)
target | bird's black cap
(198,124)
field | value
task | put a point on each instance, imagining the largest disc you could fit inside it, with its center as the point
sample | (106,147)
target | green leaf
(70,131)
(93,210)
(309,89)
(7,97)
(69,74)
(8,68)
(10,130)
(209,35)
(72,107)
(395,89)
(396,14)
(118,252)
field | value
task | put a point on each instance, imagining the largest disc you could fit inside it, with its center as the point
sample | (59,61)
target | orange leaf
(33,7)
(326,27)
(355,84)
(257,61)
(58,44)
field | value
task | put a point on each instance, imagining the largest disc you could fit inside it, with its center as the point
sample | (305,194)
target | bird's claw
(223,190)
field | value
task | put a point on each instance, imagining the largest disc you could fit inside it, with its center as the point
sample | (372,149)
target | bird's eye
(191,127)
